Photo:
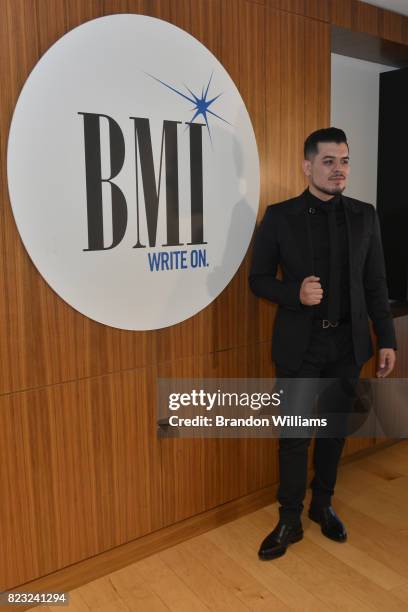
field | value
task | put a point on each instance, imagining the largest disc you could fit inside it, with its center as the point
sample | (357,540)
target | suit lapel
(300,227)
(355,229)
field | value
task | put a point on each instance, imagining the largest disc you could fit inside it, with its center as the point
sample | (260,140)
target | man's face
(328,170)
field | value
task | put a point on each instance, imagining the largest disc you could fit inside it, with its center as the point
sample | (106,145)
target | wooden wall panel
(341,13)
(262,313)
(252,68)
(5,110)
(77,12)
(201,473)
(89,348)
(292,105)
(316,9)
(317,83)
(273,120)
(355,445)
(77,399)
(19,51)
(234,330)
(79,472)
(206,24)
(353,14)
(40,325)
(391,26)
(367,18)
(51,23)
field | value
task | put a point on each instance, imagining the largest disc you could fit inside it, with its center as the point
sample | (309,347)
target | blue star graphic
(201,103)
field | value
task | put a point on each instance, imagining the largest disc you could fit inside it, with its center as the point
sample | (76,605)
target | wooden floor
(220,570)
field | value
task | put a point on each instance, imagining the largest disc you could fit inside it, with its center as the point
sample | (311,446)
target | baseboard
(109,561)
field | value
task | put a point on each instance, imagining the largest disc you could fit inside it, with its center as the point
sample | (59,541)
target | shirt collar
(323,204)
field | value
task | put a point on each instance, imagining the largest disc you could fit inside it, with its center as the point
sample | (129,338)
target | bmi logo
(151,184)
(163,172)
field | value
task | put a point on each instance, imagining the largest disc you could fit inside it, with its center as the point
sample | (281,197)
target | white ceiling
(397,6)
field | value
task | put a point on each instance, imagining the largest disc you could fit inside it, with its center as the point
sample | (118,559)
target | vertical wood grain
(341,13)
(51,19)
(79,471)
(78,444)
(317,76)
(391,26)
(293,74)
(236,329)
(201,473)
(367,18)
(316,9)
(262,313)
(78,12)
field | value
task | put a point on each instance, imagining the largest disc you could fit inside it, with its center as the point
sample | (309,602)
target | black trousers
(329,355)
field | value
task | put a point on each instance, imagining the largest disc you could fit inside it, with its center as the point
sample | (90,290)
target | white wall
(354,109)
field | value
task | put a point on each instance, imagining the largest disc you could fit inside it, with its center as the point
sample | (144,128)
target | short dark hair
(330,134)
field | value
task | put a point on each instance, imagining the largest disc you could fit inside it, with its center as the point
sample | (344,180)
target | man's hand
(311,291)
(386,358)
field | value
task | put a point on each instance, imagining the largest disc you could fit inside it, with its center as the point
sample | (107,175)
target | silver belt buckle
(327,323)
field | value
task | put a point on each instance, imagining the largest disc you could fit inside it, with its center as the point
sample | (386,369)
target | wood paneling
(273,78)
(81,463)
(77,12)
(367,18)
(262,313)
(201,473)
(206,24)
(293,71)
(376,472)
(51,23)
(317,82)
(79,470)
(391,26)
(361,45)
(341,13)
(353,14)
(316,9)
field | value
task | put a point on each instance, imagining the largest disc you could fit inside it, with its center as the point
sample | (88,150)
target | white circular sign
(133,172)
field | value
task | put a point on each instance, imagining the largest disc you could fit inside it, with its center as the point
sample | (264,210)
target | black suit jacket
(283,237)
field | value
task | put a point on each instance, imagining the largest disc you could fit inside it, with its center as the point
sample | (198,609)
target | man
(333,279)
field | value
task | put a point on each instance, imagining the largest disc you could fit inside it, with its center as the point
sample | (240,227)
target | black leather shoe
(330,524)
(276,543)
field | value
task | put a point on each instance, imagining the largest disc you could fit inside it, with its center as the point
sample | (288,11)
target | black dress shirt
(328,231)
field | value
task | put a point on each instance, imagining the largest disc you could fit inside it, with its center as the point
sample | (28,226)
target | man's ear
(306,165)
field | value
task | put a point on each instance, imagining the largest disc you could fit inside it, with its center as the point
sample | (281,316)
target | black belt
(327,324)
